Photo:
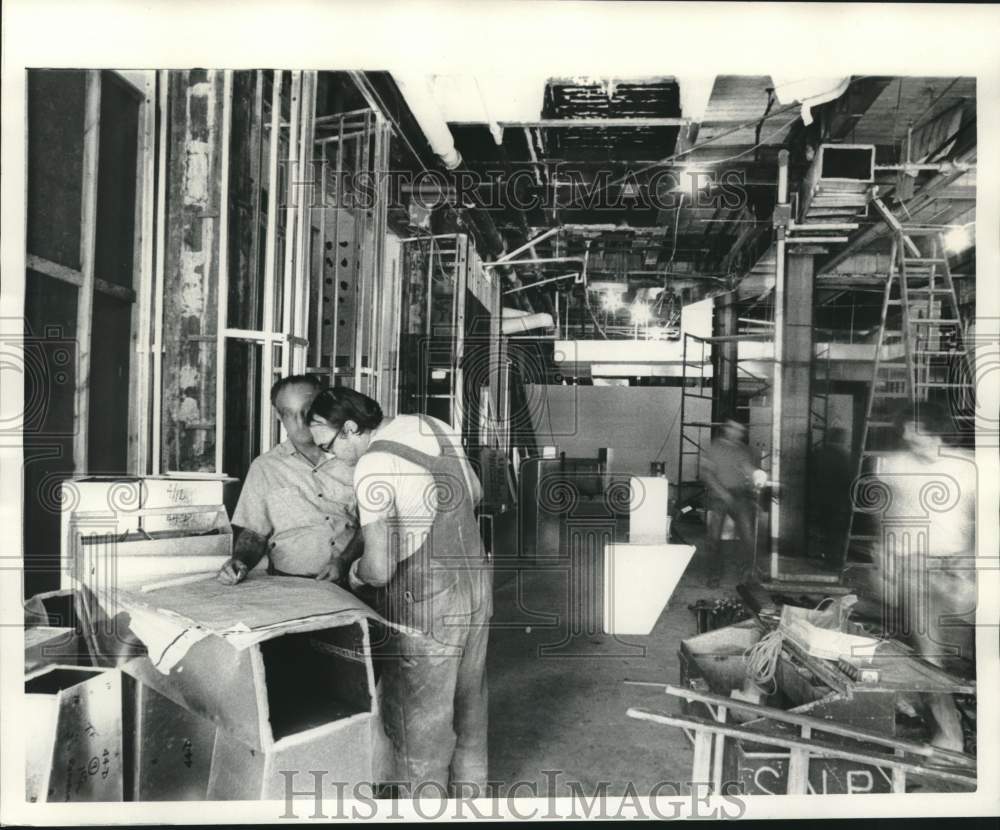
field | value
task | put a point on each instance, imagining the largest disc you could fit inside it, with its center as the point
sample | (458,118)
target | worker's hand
(232,572)
(355,582)
(333,571)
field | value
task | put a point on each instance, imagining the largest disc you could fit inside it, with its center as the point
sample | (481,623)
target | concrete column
(793,406)
(191,270)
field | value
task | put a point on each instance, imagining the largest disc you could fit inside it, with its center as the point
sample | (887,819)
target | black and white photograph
(526,411)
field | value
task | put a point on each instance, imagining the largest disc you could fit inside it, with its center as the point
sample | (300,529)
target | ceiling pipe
(778,375)
(417,92)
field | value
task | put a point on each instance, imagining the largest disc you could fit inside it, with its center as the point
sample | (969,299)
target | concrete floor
(558,701)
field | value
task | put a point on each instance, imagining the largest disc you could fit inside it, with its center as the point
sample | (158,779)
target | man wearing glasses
(297,505)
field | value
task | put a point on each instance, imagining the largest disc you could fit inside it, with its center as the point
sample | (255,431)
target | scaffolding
(692,430)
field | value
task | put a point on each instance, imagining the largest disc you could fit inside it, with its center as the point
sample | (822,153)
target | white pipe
(779,320)
(518,325)
(417,92)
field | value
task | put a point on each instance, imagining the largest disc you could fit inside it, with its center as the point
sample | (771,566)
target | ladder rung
(935,321)
(927,260)
(953,352)
(881,423)
(891,394)
(928,291)
(931,384)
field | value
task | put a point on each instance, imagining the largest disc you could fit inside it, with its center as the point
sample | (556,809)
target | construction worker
(931,586)
(728,470)
(422,548)
(297,503)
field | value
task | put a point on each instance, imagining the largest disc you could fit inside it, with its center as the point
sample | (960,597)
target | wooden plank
(700,765)
(815,747)
(85,296)
(719,749)
(798,767)
(831,727)
(74,277)
(898,777)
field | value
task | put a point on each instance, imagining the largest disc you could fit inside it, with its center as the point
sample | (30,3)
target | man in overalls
(416,498)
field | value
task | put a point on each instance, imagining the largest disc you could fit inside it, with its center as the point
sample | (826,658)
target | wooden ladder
(920,356)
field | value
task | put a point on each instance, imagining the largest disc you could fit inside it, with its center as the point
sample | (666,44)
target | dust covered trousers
(434,694)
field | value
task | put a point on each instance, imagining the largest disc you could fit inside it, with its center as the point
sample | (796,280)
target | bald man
(297,505)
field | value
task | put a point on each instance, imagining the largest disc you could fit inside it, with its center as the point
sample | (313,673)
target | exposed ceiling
(663,131)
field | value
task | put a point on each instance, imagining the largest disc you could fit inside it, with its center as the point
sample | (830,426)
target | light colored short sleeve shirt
(307,513)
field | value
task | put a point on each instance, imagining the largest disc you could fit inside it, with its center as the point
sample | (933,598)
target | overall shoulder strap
(444,444)
(405,452)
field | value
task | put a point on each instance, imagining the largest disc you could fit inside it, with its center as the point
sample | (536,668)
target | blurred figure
(926,587)
(830,478)
(728,470)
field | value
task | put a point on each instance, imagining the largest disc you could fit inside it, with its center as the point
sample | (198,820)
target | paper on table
(167,639)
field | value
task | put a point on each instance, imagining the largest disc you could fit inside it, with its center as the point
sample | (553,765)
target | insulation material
(810,92)
(258,608)
(167,639)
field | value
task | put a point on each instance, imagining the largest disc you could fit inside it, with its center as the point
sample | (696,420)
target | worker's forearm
(249,547)
(374,571)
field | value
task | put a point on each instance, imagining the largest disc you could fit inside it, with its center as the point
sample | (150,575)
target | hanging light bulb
(958,239)
(639,313)
(612,302)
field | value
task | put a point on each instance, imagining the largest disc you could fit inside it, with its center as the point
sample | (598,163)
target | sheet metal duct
(525,323)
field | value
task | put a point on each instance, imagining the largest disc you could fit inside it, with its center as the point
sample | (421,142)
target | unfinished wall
(640,423)
(191,278)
